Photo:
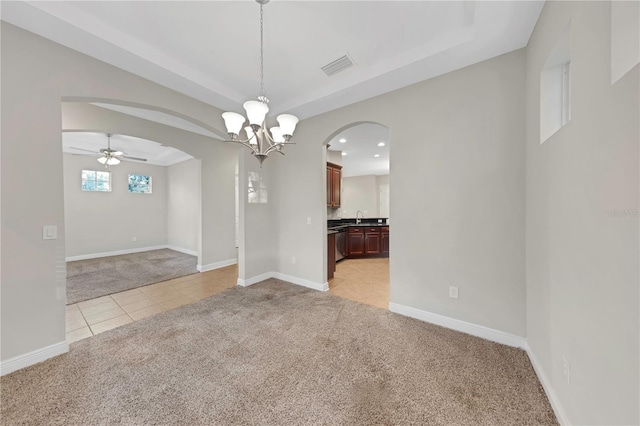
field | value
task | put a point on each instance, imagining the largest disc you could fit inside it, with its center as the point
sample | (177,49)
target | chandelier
(259,140)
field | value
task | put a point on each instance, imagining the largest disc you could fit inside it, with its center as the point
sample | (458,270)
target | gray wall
(257,240)
(457,197)
(36,76)
(183,205)
(361,193)
(99,222)
(582,264)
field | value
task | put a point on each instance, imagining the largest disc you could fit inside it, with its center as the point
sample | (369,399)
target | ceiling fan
(111,157)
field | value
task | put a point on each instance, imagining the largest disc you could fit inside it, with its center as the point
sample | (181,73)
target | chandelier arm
(243,143)
(269,138)
(273,148)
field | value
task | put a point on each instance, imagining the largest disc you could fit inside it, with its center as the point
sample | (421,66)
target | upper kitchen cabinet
(334,179)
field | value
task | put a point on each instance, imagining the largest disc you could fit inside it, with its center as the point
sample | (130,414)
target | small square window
(555,87)
(140,184)
(93,180)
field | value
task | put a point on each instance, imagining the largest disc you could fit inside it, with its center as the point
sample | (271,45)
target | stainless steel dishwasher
(341,240)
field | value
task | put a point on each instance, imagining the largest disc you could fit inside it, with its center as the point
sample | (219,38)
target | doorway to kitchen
(358,219)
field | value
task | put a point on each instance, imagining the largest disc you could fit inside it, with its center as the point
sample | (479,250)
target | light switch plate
(49,232)
(453,292)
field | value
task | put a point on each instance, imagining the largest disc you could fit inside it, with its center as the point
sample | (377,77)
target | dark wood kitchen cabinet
(384,240)
(368,241)
(334,182)
(331,255)
(355,241)
(372,240)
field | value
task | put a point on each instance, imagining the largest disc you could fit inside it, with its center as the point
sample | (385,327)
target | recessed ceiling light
(344,153)
(381,144)
(343,140)
(377,155)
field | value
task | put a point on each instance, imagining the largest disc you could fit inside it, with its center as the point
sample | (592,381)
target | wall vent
(338,65)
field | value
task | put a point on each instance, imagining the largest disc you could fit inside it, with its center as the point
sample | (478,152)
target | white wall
(258,243)
(99,222)
(183,205)
(36,76)
(457,197)
(362,193)
(359,193)
(582,261)
(334,157)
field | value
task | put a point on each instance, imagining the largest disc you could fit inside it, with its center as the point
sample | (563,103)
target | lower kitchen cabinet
(355,241)
(331,255)
(384,240)
(368,241)
(372,240)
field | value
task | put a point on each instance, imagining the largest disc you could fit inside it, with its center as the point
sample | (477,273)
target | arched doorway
(205,174)
(358,213)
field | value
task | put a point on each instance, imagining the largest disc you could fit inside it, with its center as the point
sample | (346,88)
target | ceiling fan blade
(81,149)
(132,158)
(118,153)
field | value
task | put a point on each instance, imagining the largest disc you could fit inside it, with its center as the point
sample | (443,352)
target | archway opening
(189,175)
(358,213)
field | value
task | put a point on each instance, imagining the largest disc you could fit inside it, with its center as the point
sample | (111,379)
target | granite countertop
(334,229)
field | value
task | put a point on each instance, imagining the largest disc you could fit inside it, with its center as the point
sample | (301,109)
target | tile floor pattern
(85,319)
(362,280)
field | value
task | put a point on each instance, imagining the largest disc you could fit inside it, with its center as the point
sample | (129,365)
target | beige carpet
(278,354)
(93,278)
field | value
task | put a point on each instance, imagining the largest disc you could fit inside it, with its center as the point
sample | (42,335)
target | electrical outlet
(453,292)
(566,368)
(293,260)
(49,232)
(134,239)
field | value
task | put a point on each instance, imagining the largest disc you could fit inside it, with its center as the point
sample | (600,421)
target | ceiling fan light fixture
(102,160)
(113,161)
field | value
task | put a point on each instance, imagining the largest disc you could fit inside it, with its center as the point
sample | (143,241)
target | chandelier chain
(262,94)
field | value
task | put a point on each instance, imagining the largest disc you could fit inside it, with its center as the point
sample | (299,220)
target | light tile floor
(88,318)
(362,280)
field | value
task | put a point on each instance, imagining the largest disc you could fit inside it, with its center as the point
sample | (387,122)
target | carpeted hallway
(276,353)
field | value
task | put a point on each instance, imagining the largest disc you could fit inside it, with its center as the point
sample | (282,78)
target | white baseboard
(113,253)
(301,281)
(33,357)
(284,277)
(183,250)
(254,280)
(216,265)
(459,325)
(559,411)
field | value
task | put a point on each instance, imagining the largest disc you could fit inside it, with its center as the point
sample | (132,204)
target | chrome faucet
(359,220)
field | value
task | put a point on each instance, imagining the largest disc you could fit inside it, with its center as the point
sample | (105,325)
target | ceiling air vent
(338,65)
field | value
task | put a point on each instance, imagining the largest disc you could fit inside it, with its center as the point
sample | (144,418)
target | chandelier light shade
(258,139)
